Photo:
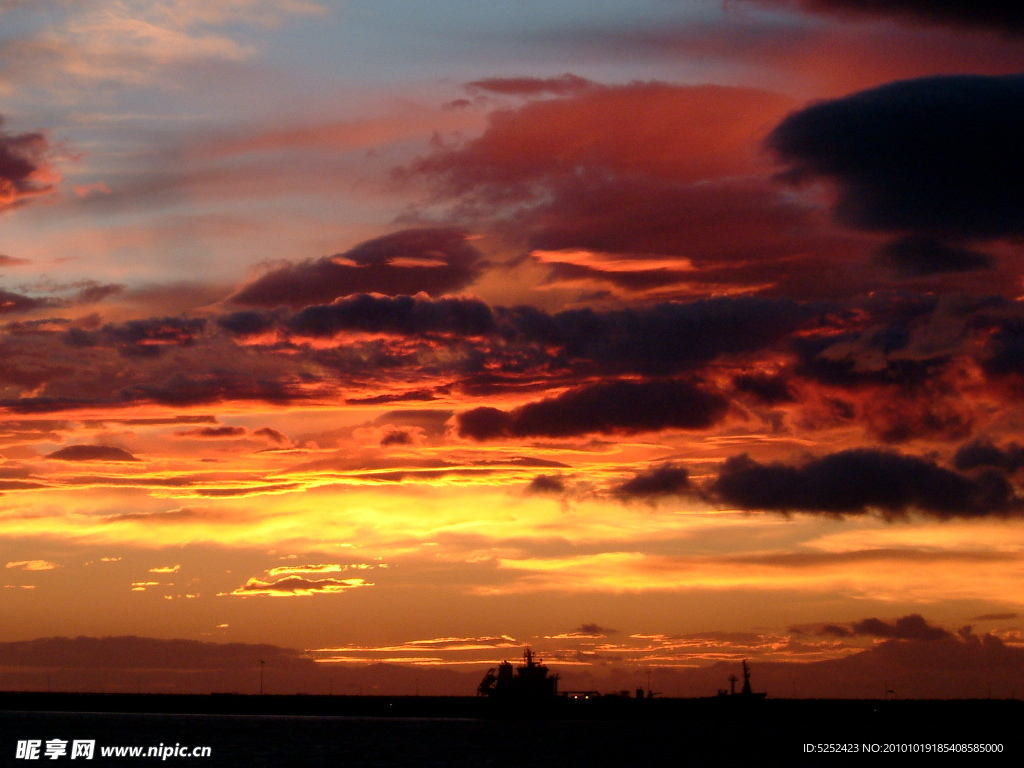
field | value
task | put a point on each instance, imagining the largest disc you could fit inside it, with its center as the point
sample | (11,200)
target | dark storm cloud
(248,322)
(436,261)
(623,407)
(141,338)
(835,630)
(856,359)
(57,295)
(272,435)
(896,356)
(665,480)
(405,315)
(770,390)
(1004,350)
(586,631)
(983,453)
(595,629)
(936,156)
(208,387)
(925,413)
(532,86)
(912,627)
(91,453)
(31,405)
(663,338)
(546,484)
(830,630)
(992,14)
(995,617)
(398,437)
(23,172)
(66,376)
(863,480)
(14,302)
(919,256)
(901,361)
(365,313)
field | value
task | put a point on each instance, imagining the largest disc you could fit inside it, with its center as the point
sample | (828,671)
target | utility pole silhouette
(262,662)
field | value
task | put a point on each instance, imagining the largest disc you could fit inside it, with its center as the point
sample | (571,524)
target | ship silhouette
(531,680)
(746,692)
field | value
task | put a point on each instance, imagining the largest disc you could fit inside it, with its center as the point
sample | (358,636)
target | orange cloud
(881,575)
(292,586)
(285,570)
(32,565)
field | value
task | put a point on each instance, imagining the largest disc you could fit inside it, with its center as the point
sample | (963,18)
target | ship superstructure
(746,692)
(530,680)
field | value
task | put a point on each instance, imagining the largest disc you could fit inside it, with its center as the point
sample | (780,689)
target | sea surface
(252,741)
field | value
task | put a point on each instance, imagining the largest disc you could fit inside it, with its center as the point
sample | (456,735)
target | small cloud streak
(91,453)
(664,480)
(296,586)
(585,632)
(285,570)
(213,433)
(32,565)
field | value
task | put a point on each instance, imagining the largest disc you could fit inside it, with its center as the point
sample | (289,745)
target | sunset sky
(653,334)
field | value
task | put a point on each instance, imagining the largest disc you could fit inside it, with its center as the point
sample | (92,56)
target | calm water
(254,741)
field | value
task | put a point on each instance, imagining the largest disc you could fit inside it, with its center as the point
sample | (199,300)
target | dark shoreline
(443,707)
(272,731)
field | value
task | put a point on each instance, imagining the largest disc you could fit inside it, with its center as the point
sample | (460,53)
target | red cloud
(436,261)
(24,172)
(653,129)
(533,86)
